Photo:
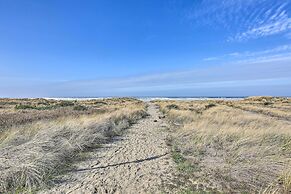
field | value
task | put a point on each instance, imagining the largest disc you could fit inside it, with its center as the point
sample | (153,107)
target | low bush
(66,103)
(21,106)
(172,106)
(80,108)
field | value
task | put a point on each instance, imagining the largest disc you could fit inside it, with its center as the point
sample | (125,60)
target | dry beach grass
(33,152)
(21,111)
(219,147)
(270,106)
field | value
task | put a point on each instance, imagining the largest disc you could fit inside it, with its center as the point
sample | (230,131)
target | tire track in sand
(139,162)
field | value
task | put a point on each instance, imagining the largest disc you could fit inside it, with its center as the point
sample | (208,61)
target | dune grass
(218,148)
(275,107)
(33,153)
(14,112)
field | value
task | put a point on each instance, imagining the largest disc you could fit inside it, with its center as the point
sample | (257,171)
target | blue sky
(145,48)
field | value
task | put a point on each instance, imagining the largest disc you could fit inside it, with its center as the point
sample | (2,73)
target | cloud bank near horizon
(267,76)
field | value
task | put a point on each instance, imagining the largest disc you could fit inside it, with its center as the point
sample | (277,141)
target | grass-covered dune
(21,111)
(231,146)
(48,135)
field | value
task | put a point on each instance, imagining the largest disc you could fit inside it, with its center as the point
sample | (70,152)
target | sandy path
(139,162)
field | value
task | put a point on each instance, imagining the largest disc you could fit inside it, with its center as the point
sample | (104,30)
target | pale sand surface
(137,162)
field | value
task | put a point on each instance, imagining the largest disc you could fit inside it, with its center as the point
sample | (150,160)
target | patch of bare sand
(138,162)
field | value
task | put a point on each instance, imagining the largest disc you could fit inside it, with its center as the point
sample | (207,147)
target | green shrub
(80,108)
(100,103)
(172,106)
(66,103)
(24,106)
(210,105)
(267,103)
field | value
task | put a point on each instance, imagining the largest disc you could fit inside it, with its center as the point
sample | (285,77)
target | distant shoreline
(147,98)
(150,98)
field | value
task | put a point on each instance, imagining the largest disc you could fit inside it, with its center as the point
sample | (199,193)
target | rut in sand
(138,162)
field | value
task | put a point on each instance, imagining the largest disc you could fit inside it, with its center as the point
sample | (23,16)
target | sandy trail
(138,162)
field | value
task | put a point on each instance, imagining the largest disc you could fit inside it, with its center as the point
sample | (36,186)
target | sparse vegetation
(80,108)
(33,152)
(275,107)
(14,112)
(173,106)
(219,148)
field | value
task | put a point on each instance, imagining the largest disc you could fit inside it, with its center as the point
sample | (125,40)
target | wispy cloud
(271,54)
(211,85)
(243,19)
(210,59)
(277,23)
(270,58)
(216,13)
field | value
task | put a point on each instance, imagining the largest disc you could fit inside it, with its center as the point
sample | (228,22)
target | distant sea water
(190,98)
(146,99)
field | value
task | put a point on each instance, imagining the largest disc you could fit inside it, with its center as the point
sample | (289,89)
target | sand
(137,162)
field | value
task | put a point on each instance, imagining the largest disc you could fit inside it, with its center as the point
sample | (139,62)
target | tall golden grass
(15,112)
(224,149)
(32,153)
(275,107)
